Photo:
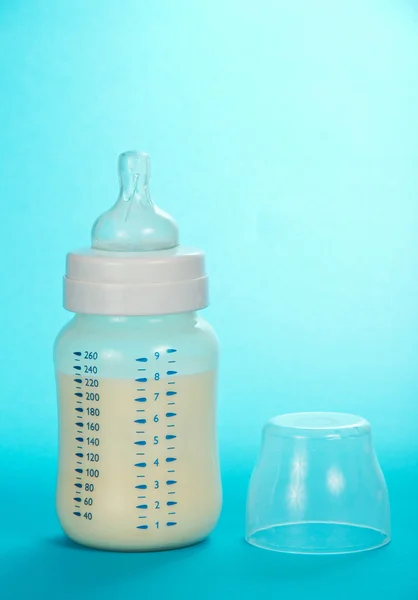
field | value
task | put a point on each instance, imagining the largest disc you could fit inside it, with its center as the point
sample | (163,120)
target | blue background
(284,140)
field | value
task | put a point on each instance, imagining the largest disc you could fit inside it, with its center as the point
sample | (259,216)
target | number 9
(157,355)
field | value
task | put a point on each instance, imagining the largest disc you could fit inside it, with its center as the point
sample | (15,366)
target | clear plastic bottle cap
(317,487)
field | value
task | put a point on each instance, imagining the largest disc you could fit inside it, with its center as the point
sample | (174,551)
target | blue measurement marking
(78,470)
(77,367)
(171,523)
(171,372)
(79,409)
(140,421)
(141,369)
(171,425)
(79,454)
(78,394)
(171,383)
(141,497)
(142,359)
(142,464)
(140,475)
(171,448)
(140,399)
(77,499)
(170,503)
(80,478)
(78,485)
(79,462)
(171,513)
(77,353)
(143,506)
(142,380)
(171,471)
(170,414)
(80,424)
(171,361)
(141,487)
(170,393)
(171,493)
(140,410)
(142,517)
(171,403)
(80,439)
(141,442)
(170,459)
(170,350)
(170,482)
(170,437)
(142,527)
(77,514)
(78,380)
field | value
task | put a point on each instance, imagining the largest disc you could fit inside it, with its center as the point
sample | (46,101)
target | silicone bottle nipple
(134,223)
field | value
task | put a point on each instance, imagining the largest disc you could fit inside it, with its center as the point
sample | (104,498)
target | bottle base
(114,540)
(128,547)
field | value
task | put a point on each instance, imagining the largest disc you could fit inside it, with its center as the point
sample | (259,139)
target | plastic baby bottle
(136,372)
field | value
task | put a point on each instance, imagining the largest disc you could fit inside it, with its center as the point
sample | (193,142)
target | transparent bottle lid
(317,487)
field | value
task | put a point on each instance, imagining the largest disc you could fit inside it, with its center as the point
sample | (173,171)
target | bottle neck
(174,320)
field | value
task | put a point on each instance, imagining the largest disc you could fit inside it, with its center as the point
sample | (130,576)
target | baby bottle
(136,372)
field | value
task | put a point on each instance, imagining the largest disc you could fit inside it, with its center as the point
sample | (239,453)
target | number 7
(156,394)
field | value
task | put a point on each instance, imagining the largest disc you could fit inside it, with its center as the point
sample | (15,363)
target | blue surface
(284,140)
